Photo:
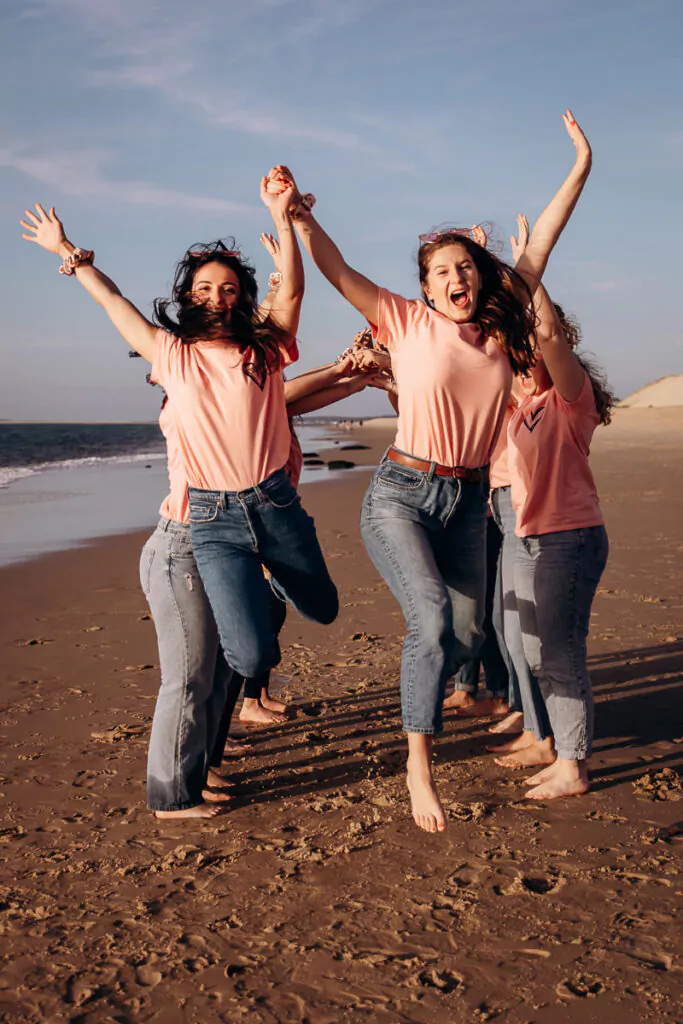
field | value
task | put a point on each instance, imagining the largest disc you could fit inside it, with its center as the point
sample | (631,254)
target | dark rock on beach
(340,464)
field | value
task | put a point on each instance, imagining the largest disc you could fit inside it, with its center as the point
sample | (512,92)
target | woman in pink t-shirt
(220,362)
(424,517)
(563,543)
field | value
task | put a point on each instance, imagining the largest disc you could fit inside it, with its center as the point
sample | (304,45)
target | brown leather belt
(459,472)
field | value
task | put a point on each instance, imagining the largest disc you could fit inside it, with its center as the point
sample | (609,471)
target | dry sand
(315,899)
(667,391)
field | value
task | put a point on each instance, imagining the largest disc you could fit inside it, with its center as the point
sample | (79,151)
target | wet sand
(315,899)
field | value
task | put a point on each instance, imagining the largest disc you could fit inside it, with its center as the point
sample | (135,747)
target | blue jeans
(492,654)
(427,537)
(525,694)
(194,674)
(235,534)
(556,576)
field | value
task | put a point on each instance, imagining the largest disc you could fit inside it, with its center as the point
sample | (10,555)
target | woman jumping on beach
(424,516)
(221,365)
(563,543)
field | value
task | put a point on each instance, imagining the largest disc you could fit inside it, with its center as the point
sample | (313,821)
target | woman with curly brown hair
(562,544)
(453,354)
(220,361)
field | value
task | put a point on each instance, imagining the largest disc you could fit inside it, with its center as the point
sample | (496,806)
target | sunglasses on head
(434,236)
(199,251)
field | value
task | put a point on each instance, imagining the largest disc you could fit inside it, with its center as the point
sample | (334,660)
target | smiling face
(452,282)
(216,286)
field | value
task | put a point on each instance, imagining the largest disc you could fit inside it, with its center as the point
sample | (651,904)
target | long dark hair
(259,338)
(505,310)
(605,397)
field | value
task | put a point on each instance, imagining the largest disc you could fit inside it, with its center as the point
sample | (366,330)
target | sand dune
(663,392)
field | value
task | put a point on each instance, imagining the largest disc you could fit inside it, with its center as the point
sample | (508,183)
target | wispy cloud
(162,48)
(81,173)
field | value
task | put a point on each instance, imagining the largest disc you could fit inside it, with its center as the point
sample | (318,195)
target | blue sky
(148,126)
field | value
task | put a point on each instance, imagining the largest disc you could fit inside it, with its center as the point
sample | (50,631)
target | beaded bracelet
(77,258)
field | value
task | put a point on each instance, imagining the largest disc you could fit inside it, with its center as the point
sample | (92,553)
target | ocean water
(63,484)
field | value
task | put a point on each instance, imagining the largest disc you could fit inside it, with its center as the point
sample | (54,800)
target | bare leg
(568,778)
(540,752)
(428,812)
(253,712)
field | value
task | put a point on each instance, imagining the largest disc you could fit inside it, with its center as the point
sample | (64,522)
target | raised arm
(564,368)
(286,305)
(325,396)
(553,220)
(362,293)
(48,231)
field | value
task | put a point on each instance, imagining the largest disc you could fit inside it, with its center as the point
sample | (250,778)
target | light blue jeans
(427,537)
(525,694)
(194,674)
(556,576)
(236,533)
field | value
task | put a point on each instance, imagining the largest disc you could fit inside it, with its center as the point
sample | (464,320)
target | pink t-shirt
(231,433)
(175,505)
(500,468)
(549,443)
(453,384)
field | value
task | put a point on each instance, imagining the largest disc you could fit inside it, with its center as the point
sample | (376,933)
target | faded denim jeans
(525,694)
(235,534)
(556,576)
(492,654)
(194,674)
(427,537)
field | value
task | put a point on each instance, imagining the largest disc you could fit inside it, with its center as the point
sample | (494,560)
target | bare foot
(270,704)
(217,796)
(569,778)
(520,742)
(485,708)
(253,712)
(545,773)
(459,699)
(514,722)
(235,747)
(199,811)
(540,752)
(428,813)
(216,781)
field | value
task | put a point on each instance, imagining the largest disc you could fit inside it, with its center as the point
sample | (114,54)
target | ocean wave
(10,474)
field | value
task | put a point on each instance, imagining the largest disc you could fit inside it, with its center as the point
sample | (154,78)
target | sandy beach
(315,899)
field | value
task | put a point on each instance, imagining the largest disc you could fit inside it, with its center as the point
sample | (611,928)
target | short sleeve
(163,346)
(396,317)
(582,406)
(289,353)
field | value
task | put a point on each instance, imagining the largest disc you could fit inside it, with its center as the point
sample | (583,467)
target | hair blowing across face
(505,309)
(259,339)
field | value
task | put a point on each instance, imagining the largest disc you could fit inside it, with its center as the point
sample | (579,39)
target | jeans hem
(574,755)
(424,732)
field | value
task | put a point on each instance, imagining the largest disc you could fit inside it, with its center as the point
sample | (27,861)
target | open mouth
(459,299)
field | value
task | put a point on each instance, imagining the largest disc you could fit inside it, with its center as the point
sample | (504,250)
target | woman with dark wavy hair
(220,362)
(453,354)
